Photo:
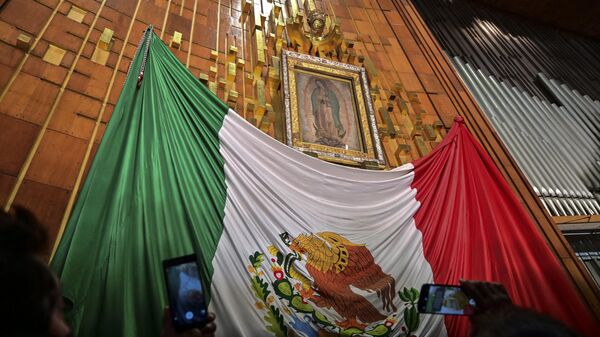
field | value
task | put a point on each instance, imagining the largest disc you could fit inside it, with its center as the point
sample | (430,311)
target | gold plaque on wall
(328,110)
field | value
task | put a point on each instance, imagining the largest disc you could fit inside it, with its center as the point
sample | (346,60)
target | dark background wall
(578,16)
(515,49)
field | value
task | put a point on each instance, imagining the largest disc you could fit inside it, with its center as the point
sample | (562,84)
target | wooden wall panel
(65,33)
(57,160)
(47,202)
(124,7)
(150,13)
(75,115)
(44,70)
(16,137)
(29,98)
(6,184)
(28,15)
(97,76)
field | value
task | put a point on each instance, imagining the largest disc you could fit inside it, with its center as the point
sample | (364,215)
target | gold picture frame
(328,110)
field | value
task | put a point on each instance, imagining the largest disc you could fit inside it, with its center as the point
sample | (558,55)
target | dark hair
(21,234)
(28,289)
(518,322)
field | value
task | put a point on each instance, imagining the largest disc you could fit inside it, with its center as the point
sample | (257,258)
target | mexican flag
(290,245)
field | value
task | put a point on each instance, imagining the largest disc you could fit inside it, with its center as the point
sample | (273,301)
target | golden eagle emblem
(336,265)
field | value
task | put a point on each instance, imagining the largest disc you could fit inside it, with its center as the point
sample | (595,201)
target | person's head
(497,316)
(518,322)
(30,293)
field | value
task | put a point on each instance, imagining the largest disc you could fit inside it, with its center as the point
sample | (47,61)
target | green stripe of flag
(155,190)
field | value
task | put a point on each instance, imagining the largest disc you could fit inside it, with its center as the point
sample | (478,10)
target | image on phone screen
(186,293)
(445,300)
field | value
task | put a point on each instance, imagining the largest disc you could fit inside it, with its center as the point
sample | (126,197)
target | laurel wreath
(282,288)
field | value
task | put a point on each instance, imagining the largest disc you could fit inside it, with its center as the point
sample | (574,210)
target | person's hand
(488,296)
(207,331)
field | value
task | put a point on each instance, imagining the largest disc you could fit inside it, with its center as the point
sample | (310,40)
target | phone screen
(445,300)
(186,292)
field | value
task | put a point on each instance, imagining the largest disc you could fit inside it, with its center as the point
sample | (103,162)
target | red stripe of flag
(474,227)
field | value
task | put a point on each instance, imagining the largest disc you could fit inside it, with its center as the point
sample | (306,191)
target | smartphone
(187,302)
(444,300)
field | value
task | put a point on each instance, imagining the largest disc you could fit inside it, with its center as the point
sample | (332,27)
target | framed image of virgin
(328,110)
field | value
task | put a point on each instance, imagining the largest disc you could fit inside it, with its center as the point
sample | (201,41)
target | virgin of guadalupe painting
(326,112)
(329,110)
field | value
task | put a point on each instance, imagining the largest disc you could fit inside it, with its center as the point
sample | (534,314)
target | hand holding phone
(169,331)
(186,293)
(488,295)
(444,300)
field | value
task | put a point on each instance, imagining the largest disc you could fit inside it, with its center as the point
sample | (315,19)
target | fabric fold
(289,244)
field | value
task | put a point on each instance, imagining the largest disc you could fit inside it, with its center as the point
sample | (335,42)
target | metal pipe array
(512,48)
(557,147)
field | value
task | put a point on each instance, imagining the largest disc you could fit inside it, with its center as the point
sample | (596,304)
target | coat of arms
(320,282)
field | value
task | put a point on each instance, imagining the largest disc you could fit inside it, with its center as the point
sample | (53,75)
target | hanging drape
(288,242)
